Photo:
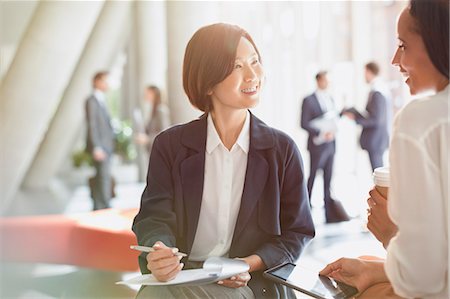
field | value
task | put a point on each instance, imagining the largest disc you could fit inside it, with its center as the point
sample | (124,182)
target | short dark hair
(209,59)
(431,18)
(373,68)
(99,76)
(320,74)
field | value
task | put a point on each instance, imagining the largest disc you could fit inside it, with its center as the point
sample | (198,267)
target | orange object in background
(99,239)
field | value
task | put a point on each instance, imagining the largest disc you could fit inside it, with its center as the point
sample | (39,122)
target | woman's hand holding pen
(163,262)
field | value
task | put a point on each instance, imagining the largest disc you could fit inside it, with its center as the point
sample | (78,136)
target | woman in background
(158,120)
(417,260)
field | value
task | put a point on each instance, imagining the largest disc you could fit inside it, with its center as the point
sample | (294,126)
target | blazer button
(263,290)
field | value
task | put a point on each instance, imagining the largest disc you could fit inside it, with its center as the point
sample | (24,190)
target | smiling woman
(422,72)
(202,71)
(417,237)
(224,179)
(241,88)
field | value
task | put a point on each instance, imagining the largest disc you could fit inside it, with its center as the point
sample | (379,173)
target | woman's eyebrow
(249,56)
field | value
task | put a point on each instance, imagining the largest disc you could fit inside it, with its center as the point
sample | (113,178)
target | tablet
(309,282)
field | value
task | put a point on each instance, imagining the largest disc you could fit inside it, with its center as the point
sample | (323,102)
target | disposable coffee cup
(381,180)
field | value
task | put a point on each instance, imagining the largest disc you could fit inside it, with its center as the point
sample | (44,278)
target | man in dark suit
(321,145)
(100,141)
(374,136)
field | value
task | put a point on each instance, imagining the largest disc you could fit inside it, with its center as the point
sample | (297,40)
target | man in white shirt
(321,144)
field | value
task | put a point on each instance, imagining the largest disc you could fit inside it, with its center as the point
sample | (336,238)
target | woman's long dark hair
(431,18)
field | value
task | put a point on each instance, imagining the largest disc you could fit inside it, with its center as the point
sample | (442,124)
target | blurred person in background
(413,223)
(374,120)
(158,119)
(322,144)
(100,141)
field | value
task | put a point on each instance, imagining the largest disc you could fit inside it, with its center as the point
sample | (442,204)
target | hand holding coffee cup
(381,180)
(378,221)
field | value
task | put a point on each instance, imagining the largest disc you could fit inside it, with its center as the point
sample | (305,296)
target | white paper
(184,277)
(326,123)
(214,269)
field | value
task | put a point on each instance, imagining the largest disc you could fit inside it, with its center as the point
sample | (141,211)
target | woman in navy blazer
(273,223)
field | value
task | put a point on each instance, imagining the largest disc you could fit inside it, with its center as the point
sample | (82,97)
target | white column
(147,62)
(35,82)
(327,46)
(129,85)
(183,19)
(14,18)
(361,48)
(151,34)
(106,41)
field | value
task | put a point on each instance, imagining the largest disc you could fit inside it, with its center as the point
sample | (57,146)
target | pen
(151,249)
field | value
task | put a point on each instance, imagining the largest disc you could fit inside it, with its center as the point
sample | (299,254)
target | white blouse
(222,192)
(418,256)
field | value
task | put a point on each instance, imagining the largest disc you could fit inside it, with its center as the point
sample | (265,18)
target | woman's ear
(210,92)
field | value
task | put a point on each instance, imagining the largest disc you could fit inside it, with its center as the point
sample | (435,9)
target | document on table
(214,269)
(327,123)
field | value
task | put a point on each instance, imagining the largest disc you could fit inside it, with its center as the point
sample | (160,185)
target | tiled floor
(44,281)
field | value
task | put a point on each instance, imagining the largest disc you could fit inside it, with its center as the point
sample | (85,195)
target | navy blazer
(310,110)
(374,136)
(274,219)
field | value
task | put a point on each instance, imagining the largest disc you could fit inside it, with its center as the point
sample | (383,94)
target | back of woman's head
(209,59)
(431,17)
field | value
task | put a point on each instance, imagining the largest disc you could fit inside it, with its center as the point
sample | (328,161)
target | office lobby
(50,51)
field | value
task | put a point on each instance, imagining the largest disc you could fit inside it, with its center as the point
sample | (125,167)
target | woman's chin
(252,103)
(412,90)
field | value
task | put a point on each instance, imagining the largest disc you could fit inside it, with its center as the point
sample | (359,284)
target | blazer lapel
(318,107)
(192,175)
(369,100)
(102,108)
(261,137)
(255,181)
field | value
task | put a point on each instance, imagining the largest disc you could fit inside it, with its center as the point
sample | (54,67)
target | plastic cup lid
(381,176)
